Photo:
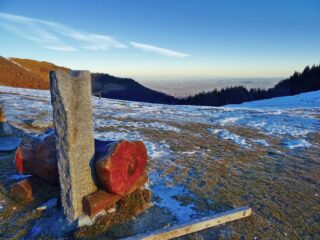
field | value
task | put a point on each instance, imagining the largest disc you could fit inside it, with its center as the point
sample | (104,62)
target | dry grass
(31,73)
(281,186)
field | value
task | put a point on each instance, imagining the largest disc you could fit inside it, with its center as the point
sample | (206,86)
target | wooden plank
(197,225)
(100,200)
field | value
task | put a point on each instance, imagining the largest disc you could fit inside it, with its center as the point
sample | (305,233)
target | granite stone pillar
(72,118)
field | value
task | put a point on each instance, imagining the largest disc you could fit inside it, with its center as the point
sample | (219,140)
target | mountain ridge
(28,73)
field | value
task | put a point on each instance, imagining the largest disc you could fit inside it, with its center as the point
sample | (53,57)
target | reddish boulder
(120,166)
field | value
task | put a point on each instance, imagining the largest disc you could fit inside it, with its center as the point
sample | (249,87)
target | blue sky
(165,39)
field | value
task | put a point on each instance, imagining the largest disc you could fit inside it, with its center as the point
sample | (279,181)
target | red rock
(102,200)
(121,165)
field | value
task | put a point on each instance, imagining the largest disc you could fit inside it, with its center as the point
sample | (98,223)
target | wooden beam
(196,225)
(102,200)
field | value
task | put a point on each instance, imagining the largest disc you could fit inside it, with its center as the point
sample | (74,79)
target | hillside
(40,68)
(126,89)
(15,75)
(264,154)
(306,81)
(25,73)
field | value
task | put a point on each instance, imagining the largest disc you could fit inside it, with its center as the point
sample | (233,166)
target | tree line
(306,81)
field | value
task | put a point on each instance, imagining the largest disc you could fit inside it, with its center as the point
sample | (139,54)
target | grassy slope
(26,73)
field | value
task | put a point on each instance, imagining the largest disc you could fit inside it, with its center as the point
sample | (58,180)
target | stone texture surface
(72,117)
(5,129)
(121,165)
(2,113)
(38,156)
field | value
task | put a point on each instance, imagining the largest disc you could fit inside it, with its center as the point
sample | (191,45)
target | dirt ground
(281,185)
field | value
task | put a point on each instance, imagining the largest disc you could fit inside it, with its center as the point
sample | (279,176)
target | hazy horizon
(186,87)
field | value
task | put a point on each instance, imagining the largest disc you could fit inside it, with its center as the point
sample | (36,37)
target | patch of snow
(229,120)
(18,64)
(156,151)
(1,207)
(115,136)
(101,122)
(49,204)
(189,152)
(54,224)
(261,142)
(85,220)
(226,135)
(20,176)
(167,200)
(297,143)
(303,100)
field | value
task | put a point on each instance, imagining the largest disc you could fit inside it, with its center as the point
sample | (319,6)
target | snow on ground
(290,118)
(167,197)
(297,143)
(225,134)
(293,121)
(100,121)
(303,100)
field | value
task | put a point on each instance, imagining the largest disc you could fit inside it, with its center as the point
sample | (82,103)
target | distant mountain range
(306,81)
(26,73)
(127,89)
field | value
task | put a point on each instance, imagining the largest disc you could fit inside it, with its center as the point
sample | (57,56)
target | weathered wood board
(197,225)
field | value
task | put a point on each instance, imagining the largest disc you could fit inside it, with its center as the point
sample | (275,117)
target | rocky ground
(202,160)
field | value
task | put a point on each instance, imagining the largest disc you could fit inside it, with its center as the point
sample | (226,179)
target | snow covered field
(292,116)
(198,152)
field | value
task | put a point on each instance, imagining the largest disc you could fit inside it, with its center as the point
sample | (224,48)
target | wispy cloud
(161,51)
(59,37)
(52,35)
(61,48)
